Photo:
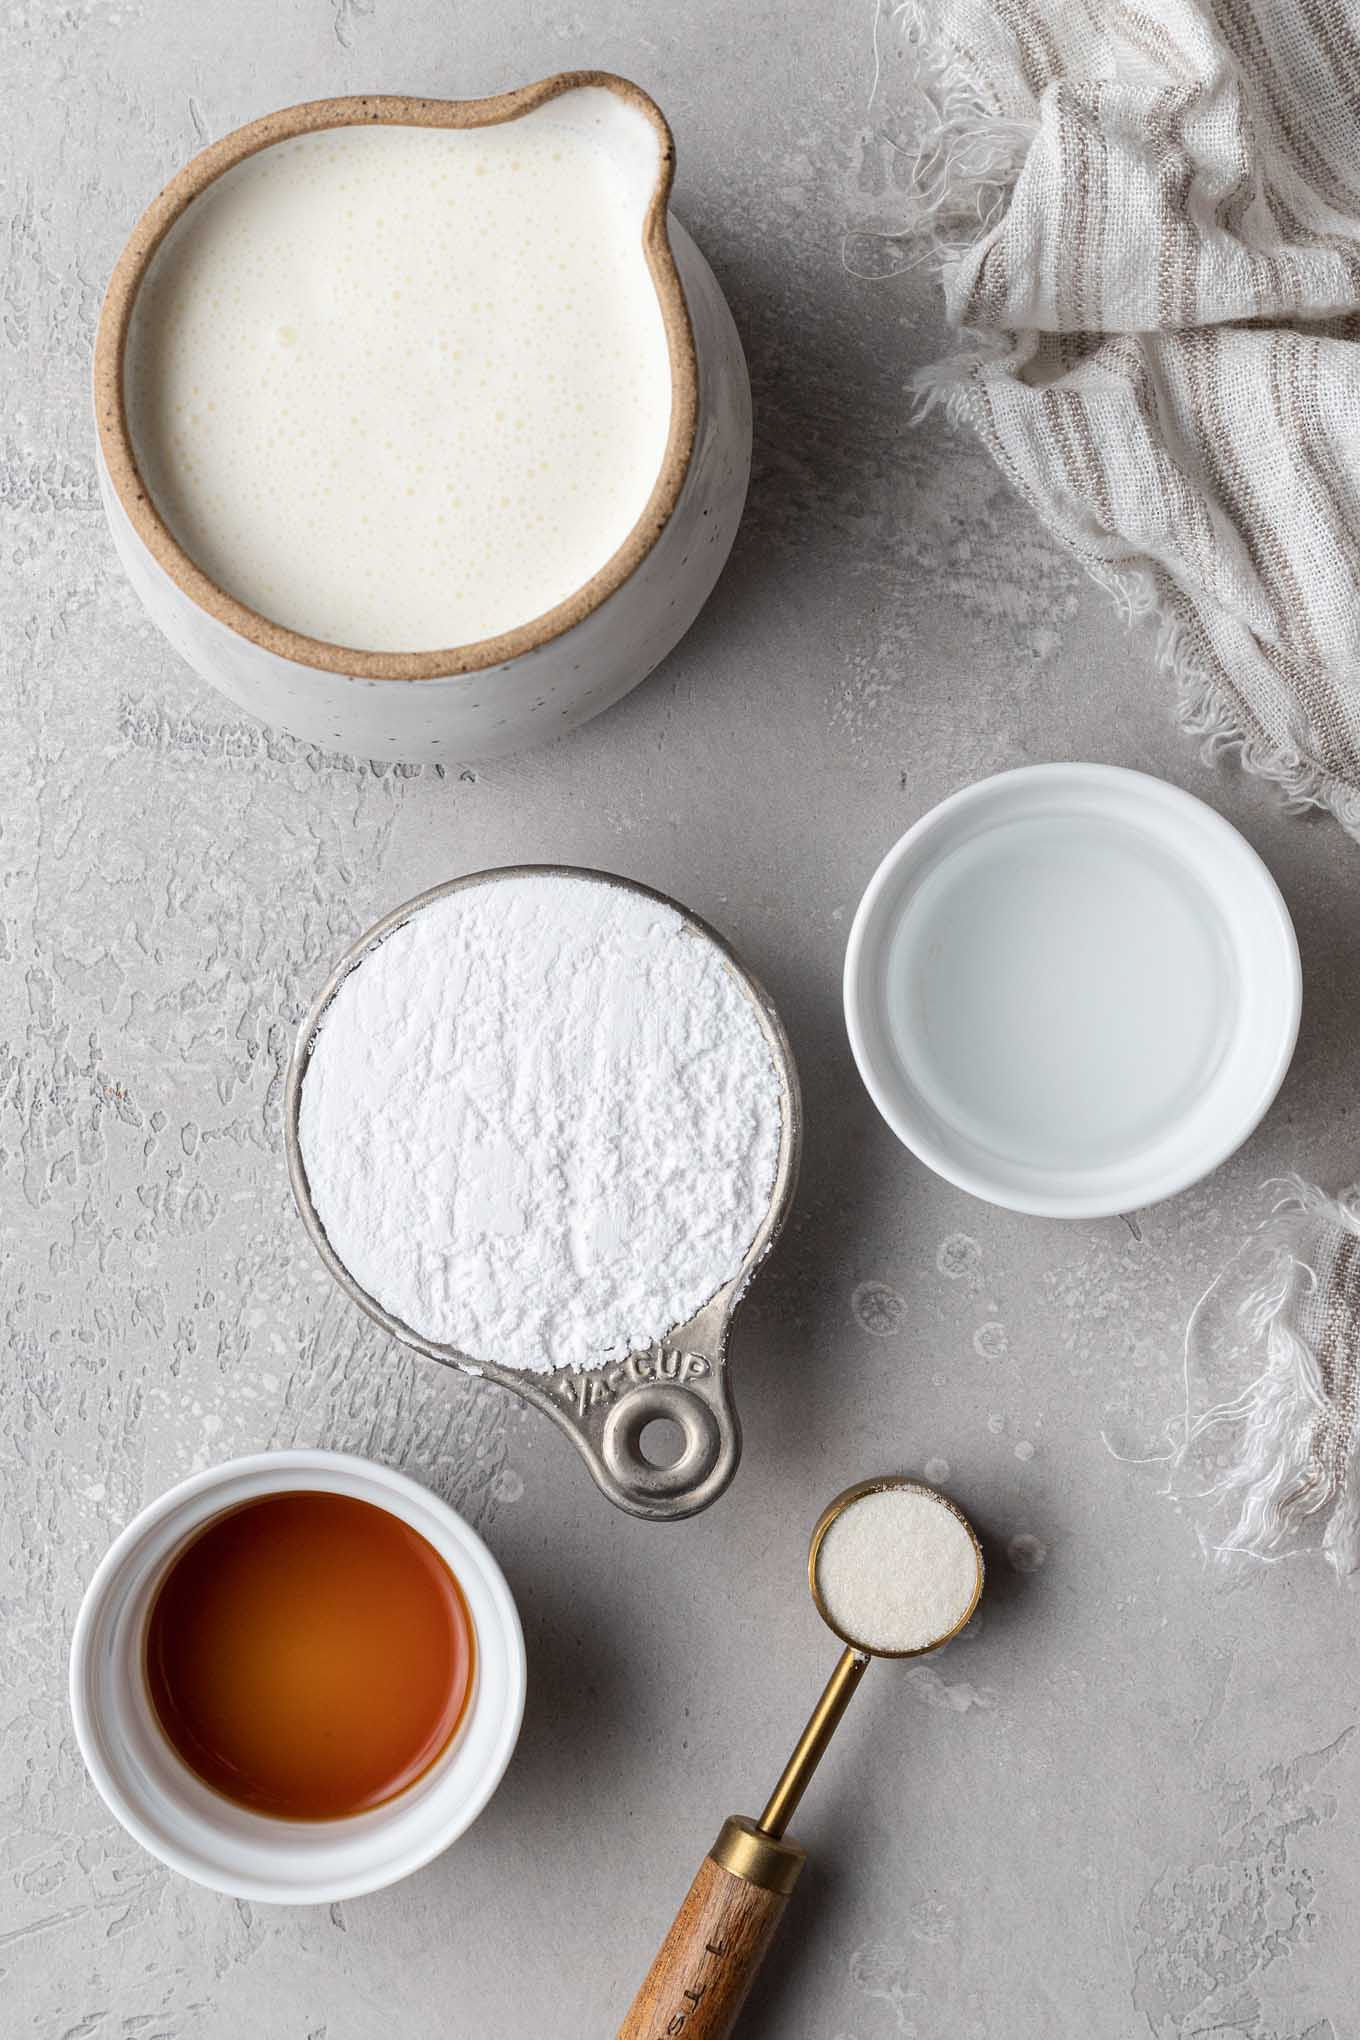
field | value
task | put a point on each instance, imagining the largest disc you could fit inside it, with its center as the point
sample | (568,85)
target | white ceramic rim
(290,1862)
(863,953)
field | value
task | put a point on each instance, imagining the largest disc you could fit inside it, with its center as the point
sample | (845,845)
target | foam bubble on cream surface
(897,1570)
(404,388)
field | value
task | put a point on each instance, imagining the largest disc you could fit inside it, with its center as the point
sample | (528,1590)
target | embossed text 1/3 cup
(423,429)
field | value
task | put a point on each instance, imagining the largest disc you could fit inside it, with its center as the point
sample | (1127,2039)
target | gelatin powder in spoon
(541,1122)
(897,1570)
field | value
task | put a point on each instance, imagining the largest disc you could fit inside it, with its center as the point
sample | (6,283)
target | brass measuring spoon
(708,1961)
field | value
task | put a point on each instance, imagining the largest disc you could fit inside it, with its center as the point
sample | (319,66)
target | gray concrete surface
(1125,1804)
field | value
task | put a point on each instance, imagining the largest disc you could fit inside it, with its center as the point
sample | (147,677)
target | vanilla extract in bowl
(309,1655)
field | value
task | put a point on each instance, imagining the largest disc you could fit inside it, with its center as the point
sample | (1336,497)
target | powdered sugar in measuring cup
(540,1123)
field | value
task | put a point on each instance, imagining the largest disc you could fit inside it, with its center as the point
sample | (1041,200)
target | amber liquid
(309,1656)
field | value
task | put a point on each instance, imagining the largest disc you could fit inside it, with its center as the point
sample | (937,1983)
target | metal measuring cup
(684,1378)
(708,1961)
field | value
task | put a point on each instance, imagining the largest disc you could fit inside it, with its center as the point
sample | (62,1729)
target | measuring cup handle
(684,1382)
(708,1961)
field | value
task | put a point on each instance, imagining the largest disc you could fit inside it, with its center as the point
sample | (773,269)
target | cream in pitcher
(424,429)
(404,387)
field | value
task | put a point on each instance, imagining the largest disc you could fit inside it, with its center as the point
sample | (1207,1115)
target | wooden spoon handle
(708,1961)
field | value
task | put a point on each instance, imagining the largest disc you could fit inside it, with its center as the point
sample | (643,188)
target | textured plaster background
(1125,1803)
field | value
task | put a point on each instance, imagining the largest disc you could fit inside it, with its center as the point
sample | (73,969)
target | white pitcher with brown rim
(424,430)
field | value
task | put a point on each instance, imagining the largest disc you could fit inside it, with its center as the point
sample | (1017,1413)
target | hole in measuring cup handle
(629,1418)
(709,1450)
(661,1441)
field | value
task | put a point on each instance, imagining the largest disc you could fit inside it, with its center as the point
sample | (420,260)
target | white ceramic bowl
(1072,989)
(171,1812)
(552,672)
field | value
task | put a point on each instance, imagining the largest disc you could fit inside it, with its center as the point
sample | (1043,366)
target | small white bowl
(171,1812)
(1072,989)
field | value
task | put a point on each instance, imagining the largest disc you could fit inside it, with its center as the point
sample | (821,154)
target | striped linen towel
(1147,218)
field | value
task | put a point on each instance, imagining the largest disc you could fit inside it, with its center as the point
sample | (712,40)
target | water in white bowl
(1062,991)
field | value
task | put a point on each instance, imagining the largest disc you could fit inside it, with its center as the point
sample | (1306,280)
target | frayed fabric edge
(1302,785)
(966,157)
(1204,708)
(1271,1477)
